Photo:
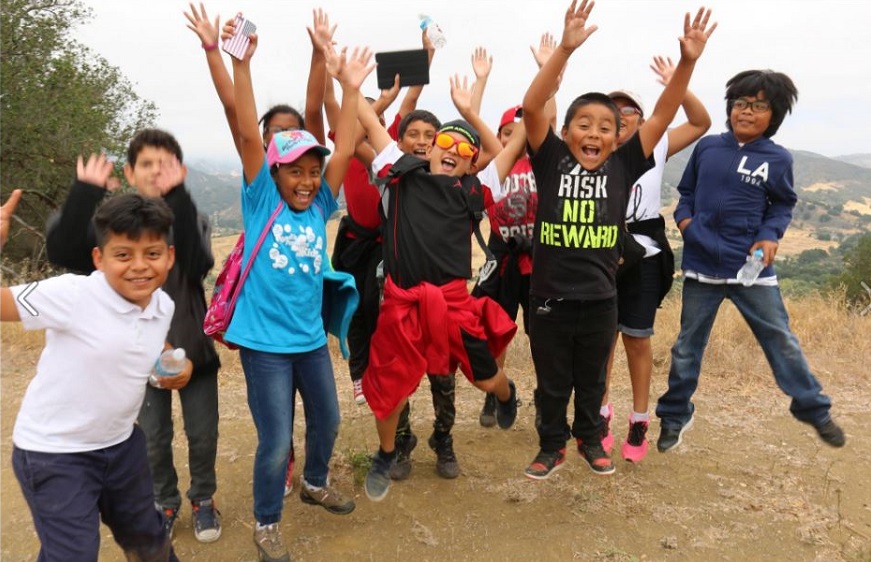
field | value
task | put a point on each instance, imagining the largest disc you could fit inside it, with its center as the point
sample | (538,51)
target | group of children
(562,205)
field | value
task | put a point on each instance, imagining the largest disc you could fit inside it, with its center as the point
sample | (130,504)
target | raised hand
(695,34)
(320,32)
(200,24)
(576,30)
(350,71)
(96,171)
(172,173)
(461,94)
(664,68)
(481,63)
(6,212)
(545,49)
(230,30)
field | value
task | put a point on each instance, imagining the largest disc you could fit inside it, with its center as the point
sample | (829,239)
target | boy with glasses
(736,196)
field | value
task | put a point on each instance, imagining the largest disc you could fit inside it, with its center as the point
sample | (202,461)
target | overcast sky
(823,46)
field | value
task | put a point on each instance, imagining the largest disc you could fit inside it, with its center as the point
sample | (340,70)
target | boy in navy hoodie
(737,195)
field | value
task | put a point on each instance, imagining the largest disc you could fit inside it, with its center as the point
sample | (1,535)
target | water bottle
(433,32)
(751,270)
(170,363)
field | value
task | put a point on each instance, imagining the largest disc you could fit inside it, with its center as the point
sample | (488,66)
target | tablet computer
(412,67)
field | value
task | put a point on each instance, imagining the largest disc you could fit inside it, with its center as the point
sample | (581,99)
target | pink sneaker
(607,436)
(288,477)
(359,398)
(635,447)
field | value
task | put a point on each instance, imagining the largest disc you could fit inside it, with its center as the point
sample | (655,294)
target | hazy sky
(823,46)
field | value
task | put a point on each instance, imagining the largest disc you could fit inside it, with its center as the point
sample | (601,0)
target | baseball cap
(631,96)
(287,146)
(511,115)
(463,128)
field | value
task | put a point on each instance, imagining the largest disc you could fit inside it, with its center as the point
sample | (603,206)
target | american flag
(237,44)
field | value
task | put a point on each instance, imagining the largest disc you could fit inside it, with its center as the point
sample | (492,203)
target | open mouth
(448,164)
(591,151)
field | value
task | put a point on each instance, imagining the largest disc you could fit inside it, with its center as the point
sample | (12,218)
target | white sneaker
(358,392)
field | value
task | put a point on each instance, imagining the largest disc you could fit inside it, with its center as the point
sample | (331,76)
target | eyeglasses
(275,129)
(758,106)
(628,111)
(464,149)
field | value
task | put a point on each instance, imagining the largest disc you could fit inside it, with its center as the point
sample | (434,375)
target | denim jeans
(570,343)
(199,406)
(271,379)
(763,310)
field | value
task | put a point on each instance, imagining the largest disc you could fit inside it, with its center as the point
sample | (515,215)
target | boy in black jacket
(154,167)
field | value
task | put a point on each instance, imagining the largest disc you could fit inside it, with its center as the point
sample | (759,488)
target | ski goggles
(464,149)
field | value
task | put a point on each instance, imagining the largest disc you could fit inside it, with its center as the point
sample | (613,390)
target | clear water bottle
(750,271)
(433,32)
(170,363)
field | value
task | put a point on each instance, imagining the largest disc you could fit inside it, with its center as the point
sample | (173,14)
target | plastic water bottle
(750,271)
(170,363)
(433,32)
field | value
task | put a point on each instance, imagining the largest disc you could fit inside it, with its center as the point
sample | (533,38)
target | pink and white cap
(287,146)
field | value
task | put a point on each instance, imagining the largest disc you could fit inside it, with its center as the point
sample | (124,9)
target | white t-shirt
(645,199)
(90,379)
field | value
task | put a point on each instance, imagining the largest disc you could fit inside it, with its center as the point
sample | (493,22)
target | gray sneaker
(669,437)
(378,480)
(269,544)
(446,461)
(487,418)
(405,444)
(327,497)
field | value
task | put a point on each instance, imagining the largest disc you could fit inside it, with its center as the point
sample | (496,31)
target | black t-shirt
(428,229)
(574,252)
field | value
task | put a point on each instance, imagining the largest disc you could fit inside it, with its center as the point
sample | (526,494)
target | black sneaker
(596,457)
(488,412)
(206,520)
(545,463)
(669,438)
(170,514)
(506,412)
(378,479)
(405,444)
(831,433)
(446,462)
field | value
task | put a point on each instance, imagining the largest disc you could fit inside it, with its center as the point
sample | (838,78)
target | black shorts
(511,292)
(638,299)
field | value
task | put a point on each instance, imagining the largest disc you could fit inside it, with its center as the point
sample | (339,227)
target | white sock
(259,527)
(603,411)
(635,417)
(310,487)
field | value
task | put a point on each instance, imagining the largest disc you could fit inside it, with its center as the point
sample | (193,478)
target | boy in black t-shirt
(583,184)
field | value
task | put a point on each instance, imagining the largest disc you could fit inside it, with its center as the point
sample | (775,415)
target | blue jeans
(763,310)
(271,379)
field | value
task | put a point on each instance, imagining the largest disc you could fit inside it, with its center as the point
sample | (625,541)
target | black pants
(443,395)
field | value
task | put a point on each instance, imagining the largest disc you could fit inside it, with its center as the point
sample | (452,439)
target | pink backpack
(229,284)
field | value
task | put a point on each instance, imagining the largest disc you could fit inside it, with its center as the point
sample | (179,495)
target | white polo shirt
(90,379)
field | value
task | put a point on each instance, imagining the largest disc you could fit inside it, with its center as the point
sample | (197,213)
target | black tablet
(412,67)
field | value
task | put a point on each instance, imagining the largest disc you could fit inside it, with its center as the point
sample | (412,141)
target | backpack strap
(259,243)
(474,192)
(405,164)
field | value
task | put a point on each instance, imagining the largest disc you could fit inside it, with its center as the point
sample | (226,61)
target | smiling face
(299,181)
(418,139)
(591,135)
(135,268)
(747,123)
(630,119)
(448,160)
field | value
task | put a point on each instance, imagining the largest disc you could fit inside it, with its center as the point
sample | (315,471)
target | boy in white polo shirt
(77,453)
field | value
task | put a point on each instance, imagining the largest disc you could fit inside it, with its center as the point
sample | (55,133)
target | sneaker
(635,447)
(831,433)
(359,398)
(206,520)
(488,412)
(607,435)
(288,476)
(506,412)
(405,444)
(669,438)
(446,462)
(170,514)
(327,497)
(545,463)
(378,479)
(269,543)
(596,457)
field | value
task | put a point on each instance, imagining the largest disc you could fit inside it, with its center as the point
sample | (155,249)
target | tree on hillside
(857,268)
(58,99)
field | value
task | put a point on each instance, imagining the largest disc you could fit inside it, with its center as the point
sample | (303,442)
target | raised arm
(209,37)
(482,64)
(512,152)
(692,44)
(698,120)
(321,34)
(546,82)
(546,47)
(6,212)
(378,136)
(461,94)
(250,141)
(412,94)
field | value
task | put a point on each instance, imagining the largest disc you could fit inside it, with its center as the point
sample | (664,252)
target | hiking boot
(378,479)
(359,398)
(327,497)
(405,444)
(669,437)
(545,463)
(288,476)
(488,412)
(596,457)
(635,447)
(170,514)
(607,435)
(206,520)
(831,433)
(446,462)
(506,412)
(269,543)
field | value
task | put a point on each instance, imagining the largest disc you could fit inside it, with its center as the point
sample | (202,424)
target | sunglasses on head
(464,149)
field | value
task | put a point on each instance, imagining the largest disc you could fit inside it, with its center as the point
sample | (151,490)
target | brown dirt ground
(748,484)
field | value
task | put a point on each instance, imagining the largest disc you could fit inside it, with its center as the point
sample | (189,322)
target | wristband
(211,47)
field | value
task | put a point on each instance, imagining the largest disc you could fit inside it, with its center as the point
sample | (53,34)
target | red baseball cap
(511,115)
